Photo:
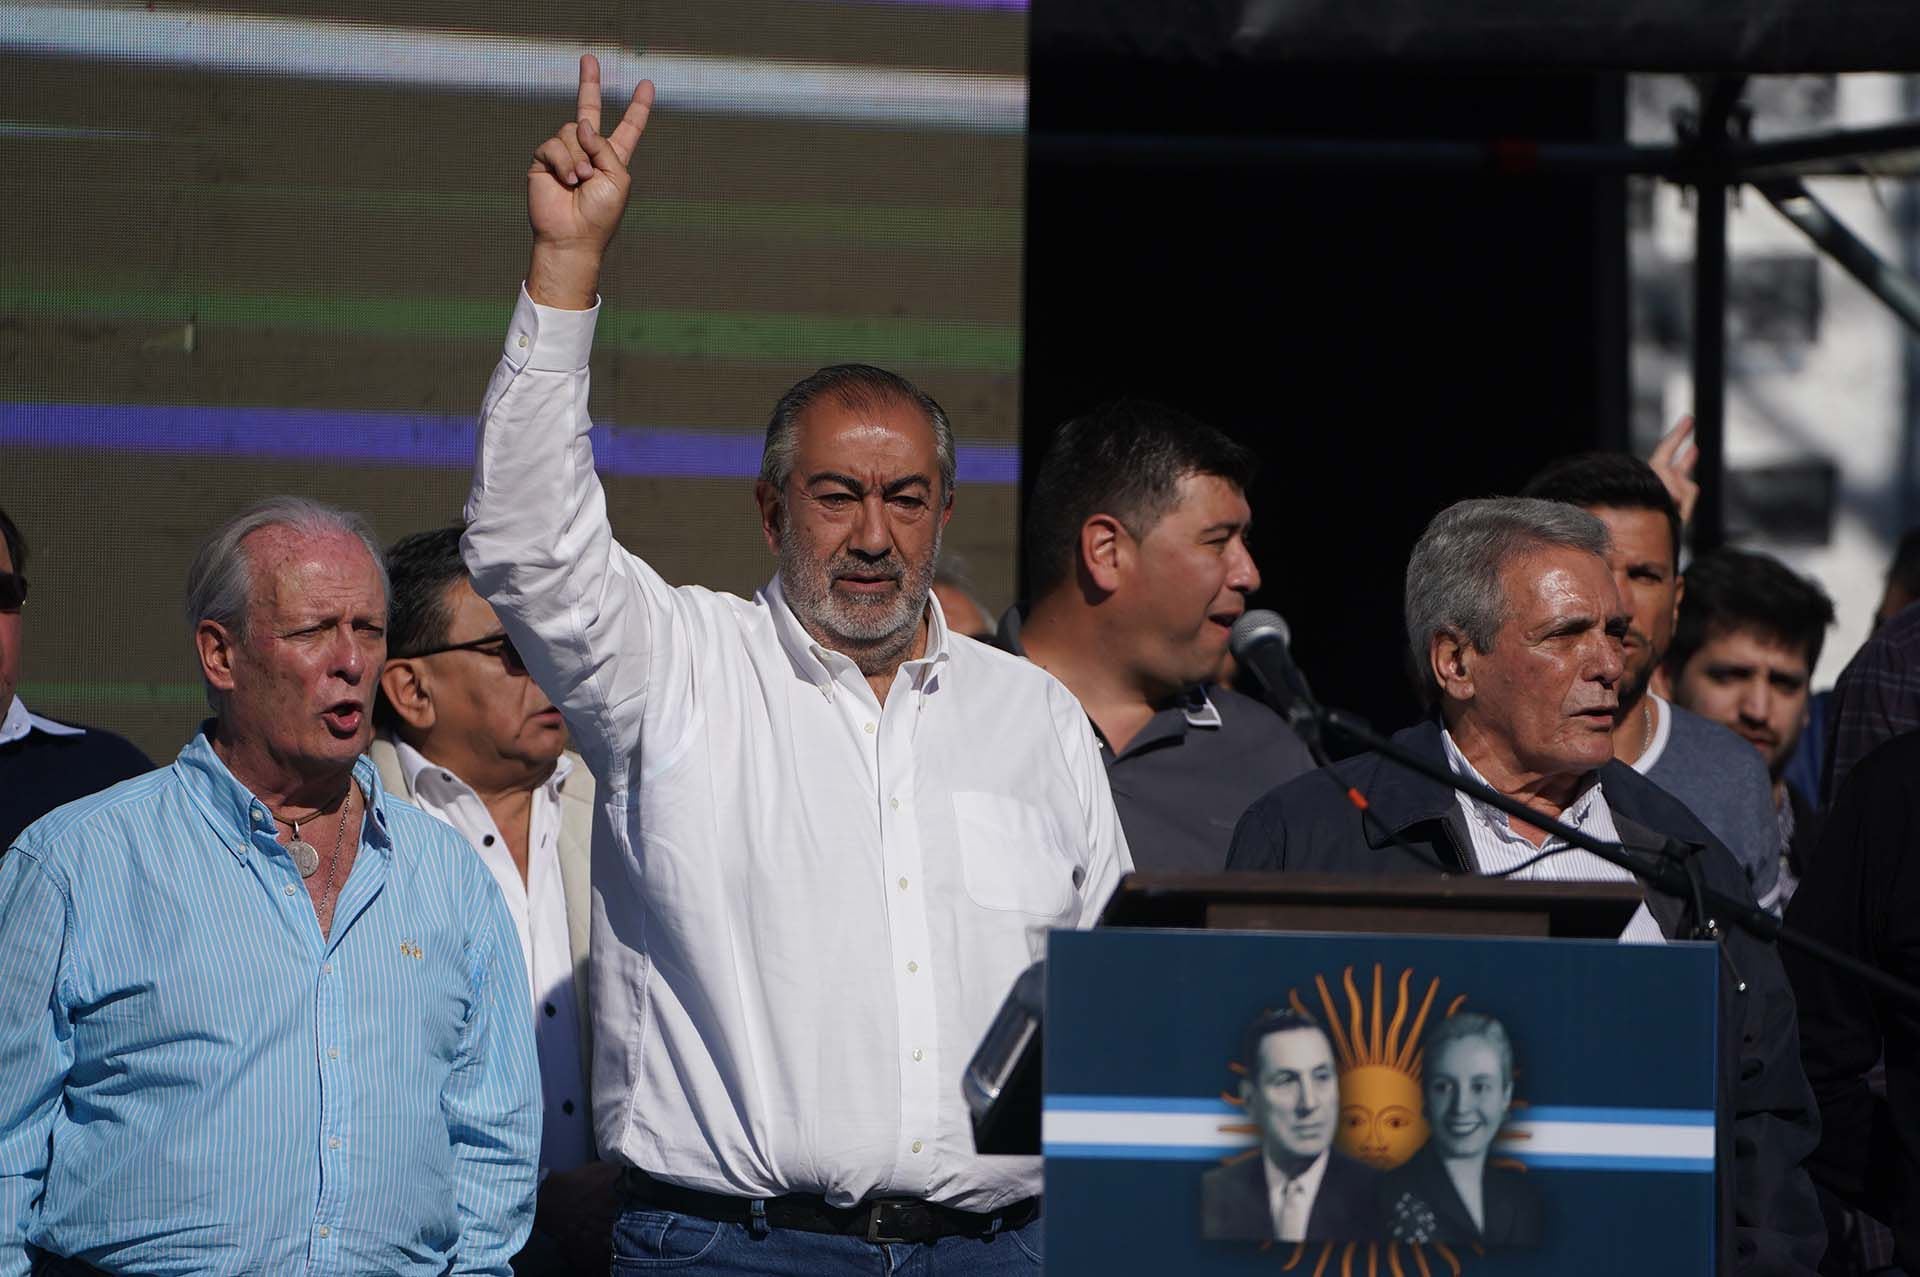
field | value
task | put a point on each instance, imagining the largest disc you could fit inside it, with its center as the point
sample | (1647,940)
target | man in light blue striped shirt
(257,1016)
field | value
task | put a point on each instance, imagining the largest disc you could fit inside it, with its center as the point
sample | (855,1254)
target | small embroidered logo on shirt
(412,950)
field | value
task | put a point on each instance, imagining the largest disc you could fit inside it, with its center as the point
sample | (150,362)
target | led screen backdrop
(274,249)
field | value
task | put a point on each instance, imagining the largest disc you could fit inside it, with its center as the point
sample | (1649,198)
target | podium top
(1439,904)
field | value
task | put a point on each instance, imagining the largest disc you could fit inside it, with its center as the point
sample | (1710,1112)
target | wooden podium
(1432,905)
(1617,1090)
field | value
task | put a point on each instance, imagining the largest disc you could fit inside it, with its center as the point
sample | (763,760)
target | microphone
(1259,643)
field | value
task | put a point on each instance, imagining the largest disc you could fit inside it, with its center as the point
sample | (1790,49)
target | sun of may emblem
(1386,1115)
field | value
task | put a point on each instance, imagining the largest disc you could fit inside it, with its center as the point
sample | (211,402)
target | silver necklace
(306,856)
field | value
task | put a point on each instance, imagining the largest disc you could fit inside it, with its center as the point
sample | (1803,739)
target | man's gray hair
(1453,575)
(220,582)
(861,388)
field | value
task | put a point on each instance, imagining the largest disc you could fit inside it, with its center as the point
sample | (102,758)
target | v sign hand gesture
(577,189)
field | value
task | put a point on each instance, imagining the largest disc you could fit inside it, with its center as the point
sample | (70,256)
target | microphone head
(1254,628)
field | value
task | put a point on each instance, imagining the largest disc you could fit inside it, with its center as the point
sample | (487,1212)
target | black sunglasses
(492,645)
(13,591)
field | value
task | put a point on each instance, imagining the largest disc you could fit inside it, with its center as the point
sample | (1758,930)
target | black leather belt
(879,1220)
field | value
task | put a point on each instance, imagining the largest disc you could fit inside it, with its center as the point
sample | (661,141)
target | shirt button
(918,1055)
(912,967)
(916,1146)
(333,1053)
(288,888)
(903,884)
(334,1142)
(894,803)
(566,1106)
(523,341)
(488,840)
(870,729)
(327,969)
(326,1232)
(552,1010)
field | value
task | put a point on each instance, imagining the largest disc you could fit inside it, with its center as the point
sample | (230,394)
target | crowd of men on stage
(515,910)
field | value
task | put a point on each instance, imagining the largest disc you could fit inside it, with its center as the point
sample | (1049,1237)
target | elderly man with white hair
(255,1016)
(1515,626)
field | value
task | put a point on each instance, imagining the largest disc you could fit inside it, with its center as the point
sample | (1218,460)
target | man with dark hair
(1138,566)
(1750,633)
(1515,623)
(831,833)
(1903,579)
(44,763)
(1298,1187)
(1699,762)
(467,736)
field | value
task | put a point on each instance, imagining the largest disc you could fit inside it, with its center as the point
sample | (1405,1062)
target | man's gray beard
(875,634)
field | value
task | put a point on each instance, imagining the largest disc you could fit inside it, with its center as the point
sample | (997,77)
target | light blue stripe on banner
(1625,1117)
(1576,1162)
(1138,1152)
(1140,1104)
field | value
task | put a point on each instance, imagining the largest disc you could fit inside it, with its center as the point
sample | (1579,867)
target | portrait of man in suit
(1297,1186)
(1451,1191)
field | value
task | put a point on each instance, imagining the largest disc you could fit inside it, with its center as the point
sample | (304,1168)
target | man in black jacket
(1862,896)
(1515,625)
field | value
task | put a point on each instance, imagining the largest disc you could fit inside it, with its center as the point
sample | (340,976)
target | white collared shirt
(539,910)
(1309,1189)
(1498,846)
(809,904)
(20,720)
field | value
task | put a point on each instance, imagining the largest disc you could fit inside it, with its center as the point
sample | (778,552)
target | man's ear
(1451,657)
(768,498)
(1106,551)
(217,648)
(404,685)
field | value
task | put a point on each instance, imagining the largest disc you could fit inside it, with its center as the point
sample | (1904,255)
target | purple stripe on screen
(339,437)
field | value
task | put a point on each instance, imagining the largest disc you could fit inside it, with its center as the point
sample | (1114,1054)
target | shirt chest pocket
(1009,856)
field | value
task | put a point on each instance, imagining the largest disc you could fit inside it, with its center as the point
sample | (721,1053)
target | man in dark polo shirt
(1138,566)
(44,763)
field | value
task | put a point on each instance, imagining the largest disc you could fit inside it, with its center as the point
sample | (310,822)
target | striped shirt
(1499,848)
(194,1080)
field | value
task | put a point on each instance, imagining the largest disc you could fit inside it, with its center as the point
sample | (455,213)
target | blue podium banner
(1378,1106)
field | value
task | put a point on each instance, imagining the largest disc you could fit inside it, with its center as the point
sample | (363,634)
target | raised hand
(577,189)
(1673,461)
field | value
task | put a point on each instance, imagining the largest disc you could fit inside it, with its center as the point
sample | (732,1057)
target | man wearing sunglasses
(468,737)
(44,763)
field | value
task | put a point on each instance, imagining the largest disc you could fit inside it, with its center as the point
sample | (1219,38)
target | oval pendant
(306,857)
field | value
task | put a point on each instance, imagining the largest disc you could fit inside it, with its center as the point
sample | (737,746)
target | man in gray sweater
(1716,774)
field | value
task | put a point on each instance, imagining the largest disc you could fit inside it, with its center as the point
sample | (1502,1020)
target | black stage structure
(1385,244)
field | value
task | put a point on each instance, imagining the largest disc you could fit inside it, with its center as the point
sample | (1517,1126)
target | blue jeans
(649,1241)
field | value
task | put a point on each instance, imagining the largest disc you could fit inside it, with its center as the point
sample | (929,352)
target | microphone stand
(1672,870)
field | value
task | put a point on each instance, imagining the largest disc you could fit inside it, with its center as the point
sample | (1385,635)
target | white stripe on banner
(447,60)
(1561,1138)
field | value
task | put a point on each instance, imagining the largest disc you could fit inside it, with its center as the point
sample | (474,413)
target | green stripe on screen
(746,337)
(987,229)
(159,695)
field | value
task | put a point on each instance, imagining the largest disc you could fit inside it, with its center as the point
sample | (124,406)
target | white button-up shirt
(809,904)
(20,720)
(1498,846)
(539,910)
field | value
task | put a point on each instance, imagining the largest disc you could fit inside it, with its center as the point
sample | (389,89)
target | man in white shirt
(466,736)
(1300,1187)
(833,833)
